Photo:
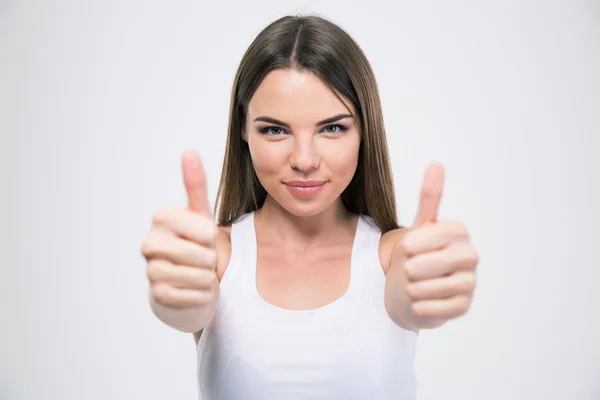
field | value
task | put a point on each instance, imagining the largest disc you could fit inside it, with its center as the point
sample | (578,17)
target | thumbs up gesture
(180,249)
(435,262)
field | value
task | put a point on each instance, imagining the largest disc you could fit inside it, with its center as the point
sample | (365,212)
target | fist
(180,250)
(439,261)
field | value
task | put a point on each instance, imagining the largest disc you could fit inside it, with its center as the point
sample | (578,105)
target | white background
(99,98)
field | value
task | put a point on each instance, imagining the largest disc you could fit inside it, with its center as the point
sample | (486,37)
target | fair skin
(305,238)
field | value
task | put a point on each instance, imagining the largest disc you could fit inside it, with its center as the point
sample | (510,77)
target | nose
(305,156)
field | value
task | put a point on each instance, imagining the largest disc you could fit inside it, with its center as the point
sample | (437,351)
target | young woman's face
(303,141)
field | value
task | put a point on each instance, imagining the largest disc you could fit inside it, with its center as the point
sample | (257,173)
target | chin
(305,208)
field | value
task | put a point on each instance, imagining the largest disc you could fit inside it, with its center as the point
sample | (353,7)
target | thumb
(431,195)
(194,180)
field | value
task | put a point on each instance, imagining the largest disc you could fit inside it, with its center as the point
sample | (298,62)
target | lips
(303,189)
(305,184)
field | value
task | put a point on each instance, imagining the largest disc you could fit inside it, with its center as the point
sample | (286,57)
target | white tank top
(348,349)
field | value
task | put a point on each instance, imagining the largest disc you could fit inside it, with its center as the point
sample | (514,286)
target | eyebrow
(326,121)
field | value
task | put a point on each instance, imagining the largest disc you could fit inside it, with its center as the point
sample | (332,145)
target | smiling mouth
(305,188)
(305,183)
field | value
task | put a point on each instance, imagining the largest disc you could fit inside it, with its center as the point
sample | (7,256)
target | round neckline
(281,312)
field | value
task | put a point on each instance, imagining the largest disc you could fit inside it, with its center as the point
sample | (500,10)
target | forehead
(296,97)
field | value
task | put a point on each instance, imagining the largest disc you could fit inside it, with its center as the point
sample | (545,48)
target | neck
(286,227)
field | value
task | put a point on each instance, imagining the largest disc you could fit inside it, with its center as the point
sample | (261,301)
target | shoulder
(386,246)
(223,249)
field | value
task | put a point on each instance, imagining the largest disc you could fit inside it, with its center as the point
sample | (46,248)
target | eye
(272,130)
(334,128)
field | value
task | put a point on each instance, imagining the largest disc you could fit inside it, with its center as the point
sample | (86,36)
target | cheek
(267,158)
(342,157)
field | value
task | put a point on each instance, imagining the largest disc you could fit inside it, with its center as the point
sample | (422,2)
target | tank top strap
(241,246)
(369,250)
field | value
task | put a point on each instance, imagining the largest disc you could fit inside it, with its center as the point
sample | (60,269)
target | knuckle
(162,216)
(209,231)
(408,274)
(163,294)
(463,305)
(402,245)
(205,297)
(144,247)
(153,245)
(201,227)
(461,229)
(151,273)
(213,258)
(200,279)
(474,257)
(472,283)
(210,259)
(470,257)
(418,311)
(209,226)
(412,291)
(154,271)
(148,246)
(411,270)
(468,284)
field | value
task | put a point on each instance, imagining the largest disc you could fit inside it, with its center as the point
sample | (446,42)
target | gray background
(99,98)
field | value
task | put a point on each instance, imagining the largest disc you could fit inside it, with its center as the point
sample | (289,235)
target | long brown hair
(315,44)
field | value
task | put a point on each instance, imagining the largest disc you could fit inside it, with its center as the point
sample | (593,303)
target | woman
(307,288)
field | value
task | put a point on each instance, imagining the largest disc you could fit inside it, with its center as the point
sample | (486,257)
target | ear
(245,135)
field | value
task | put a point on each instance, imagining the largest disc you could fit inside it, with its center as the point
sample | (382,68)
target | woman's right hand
(180,249)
